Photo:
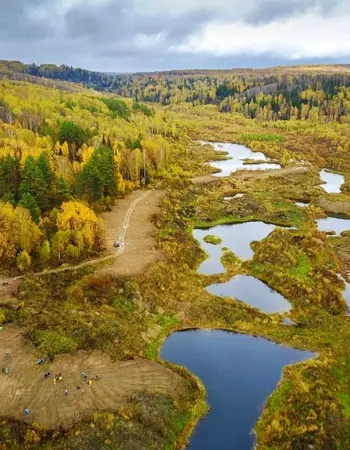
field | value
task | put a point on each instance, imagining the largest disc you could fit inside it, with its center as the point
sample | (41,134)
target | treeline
(63,155)
(269,94)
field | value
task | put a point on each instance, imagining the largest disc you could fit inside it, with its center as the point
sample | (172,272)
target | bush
(50,342)
(23,261)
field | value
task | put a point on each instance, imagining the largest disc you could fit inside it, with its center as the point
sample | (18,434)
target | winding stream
(239,373)
(238,154)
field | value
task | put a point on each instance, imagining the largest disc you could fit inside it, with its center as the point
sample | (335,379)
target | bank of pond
(238,238)
(333,224)
(239,373)
(238,157)
(332,181)
(252,291)
(235,237)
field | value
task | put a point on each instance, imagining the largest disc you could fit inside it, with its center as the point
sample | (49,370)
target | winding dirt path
(131,216)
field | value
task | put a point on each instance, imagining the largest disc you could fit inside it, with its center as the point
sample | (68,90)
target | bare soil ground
(203,179)
(26,387)
(139,247)
(271,173)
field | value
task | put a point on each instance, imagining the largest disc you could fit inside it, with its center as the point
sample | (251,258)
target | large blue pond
(239,373)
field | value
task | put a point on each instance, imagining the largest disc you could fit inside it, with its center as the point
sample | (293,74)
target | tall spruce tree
(44,166)
(29,202)
(33,183)
(10,177)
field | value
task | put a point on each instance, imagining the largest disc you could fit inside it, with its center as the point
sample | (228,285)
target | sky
(151,35)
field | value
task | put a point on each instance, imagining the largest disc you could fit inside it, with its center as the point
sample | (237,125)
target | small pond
(346,294)
(302,204)
(238,154)
(252,291)
(333,181)
(336,224)
(234,197)
(239,373)
(236,237)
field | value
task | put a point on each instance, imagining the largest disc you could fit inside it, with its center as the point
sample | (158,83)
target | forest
(294,93)
(63,155)
(82,150)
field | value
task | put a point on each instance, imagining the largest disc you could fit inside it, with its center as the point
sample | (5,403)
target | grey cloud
(101,35)
(117,20)
(268,10)
(18,22)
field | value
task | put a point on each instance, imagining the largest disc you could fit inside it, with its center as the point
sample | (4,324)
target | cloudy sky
(147,35)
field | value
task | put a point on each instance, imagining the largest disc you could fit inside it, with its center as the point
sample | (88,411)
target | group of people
(58,377)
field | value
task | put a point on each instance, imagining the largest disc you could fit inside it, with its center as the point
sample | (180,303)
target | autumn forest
(138,212)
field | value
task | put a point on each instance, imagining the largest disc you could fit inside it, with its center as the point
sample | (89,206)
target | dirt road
(26,387)
(132,223)
(271,173)
(253,174)
(129,222)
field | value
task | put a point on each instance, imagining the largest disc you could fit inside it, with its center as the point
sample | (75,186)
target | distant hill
(276,93)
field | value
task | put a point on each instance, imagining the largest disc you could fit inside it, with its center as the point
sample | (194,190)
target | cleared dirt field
(26,387)
(133,228)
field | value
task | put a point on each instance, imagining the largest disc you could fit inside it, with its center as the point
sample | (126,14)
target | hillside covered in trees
(69,152)
(281,93)
(63,155)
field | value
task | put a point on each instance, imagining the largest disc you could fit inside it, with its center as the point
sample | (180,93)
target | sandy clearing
(140,245)
(26,387)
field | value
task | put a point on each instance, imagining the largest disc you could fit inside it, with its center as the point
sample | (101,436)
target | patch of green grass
(214,240)
(229,259)
(50,342)
(227,220)
(151,350)
(278,398)
(263,137)
(345,401)
(302,268)
(124,304)
(166,321)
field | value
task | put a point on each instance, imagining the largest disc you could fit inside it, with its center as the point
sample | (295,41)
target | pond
(336,224)
(234,197)
(346,294)
(236,237)
(302,204)
(239,373)
(238,154)
(252,291)
(333,181)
